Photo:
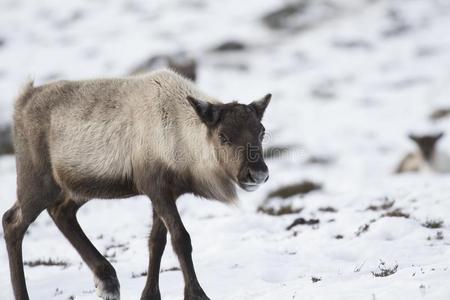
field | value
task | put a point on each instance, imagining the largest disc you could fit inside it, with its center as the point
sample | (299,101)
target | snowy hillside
(350,79)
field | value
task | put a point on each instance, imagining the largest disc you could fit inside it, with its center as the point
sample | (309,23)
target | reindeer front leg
(166,209)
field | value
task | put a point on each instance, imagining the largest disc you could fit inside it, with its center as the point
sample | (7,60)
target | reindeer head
(426,143)
(236,132)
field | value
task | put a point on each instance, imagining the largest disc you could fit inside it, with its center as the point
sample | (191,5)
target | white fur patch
(102,293)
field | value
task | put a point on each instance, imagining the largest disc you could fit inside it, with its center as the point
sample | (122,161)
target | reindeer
(155,135)
(428,158)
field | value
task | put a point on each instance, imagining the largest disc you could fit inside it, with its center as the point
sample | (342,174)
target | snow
(352,104)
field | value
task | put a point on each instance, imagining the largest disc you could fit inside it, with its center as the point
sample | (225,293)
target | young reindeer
(428,158)
(154,135)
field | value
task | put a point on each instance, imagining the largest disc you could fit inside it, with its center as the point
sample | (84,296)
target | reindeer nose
(258,176)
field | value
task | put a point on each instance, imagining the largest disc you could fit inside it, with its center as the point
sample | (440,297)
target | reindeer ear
(439,135)
(259,106)
(209,113)
(412,137)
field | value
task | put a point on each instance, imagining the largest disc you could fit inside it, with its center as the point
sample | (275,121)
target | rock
(300,15)
(6,143)
(2,42)
(229,46)
(180,63)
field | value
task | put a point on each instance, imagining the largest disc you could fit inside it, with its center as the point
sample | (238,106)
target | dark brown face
(426,143)
(237,134)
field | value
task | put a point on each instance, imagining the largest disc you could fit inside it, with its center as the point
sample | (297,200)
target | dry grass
(384,271)
(303,221)
(387,204)
(363,228)
(144,274)
(49,262)
(397,213)
(282,210)
(137,275)
(170,270)
(433,223)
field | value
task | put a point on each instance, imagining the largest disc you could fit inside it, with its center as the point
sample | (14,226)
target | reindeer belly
(86,186)
(93,162)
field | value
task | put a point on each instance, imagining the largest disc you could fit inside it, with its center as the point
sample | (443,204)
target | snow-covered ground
(348,87)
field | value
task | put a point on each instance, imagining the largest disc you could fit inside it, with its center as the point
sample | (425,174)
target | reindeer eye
(224,140)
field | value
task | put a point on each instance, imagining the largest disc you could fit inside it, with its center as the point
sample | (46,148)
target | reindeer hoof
(195,294)
(108,289)
(155,295)
(197,297)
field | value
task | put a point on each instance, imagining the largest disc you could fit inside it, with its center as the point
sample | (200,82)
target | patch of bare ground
(144,274)
(396,213)
(433,223)
(296,189)
(279,211)
(291,16)
(328,209)
(284,192)
(364,228)
(57,292)
(384,270)
(137,275)
(438,236)
(111,250)
(173,269)
(319,160)
(385,205)
(303,221)
(49,262)
(230,46)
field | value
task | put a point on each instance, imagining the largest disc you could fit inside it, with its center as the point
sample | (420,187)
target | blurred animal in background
(155,135)
(427,158)
(6,143)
